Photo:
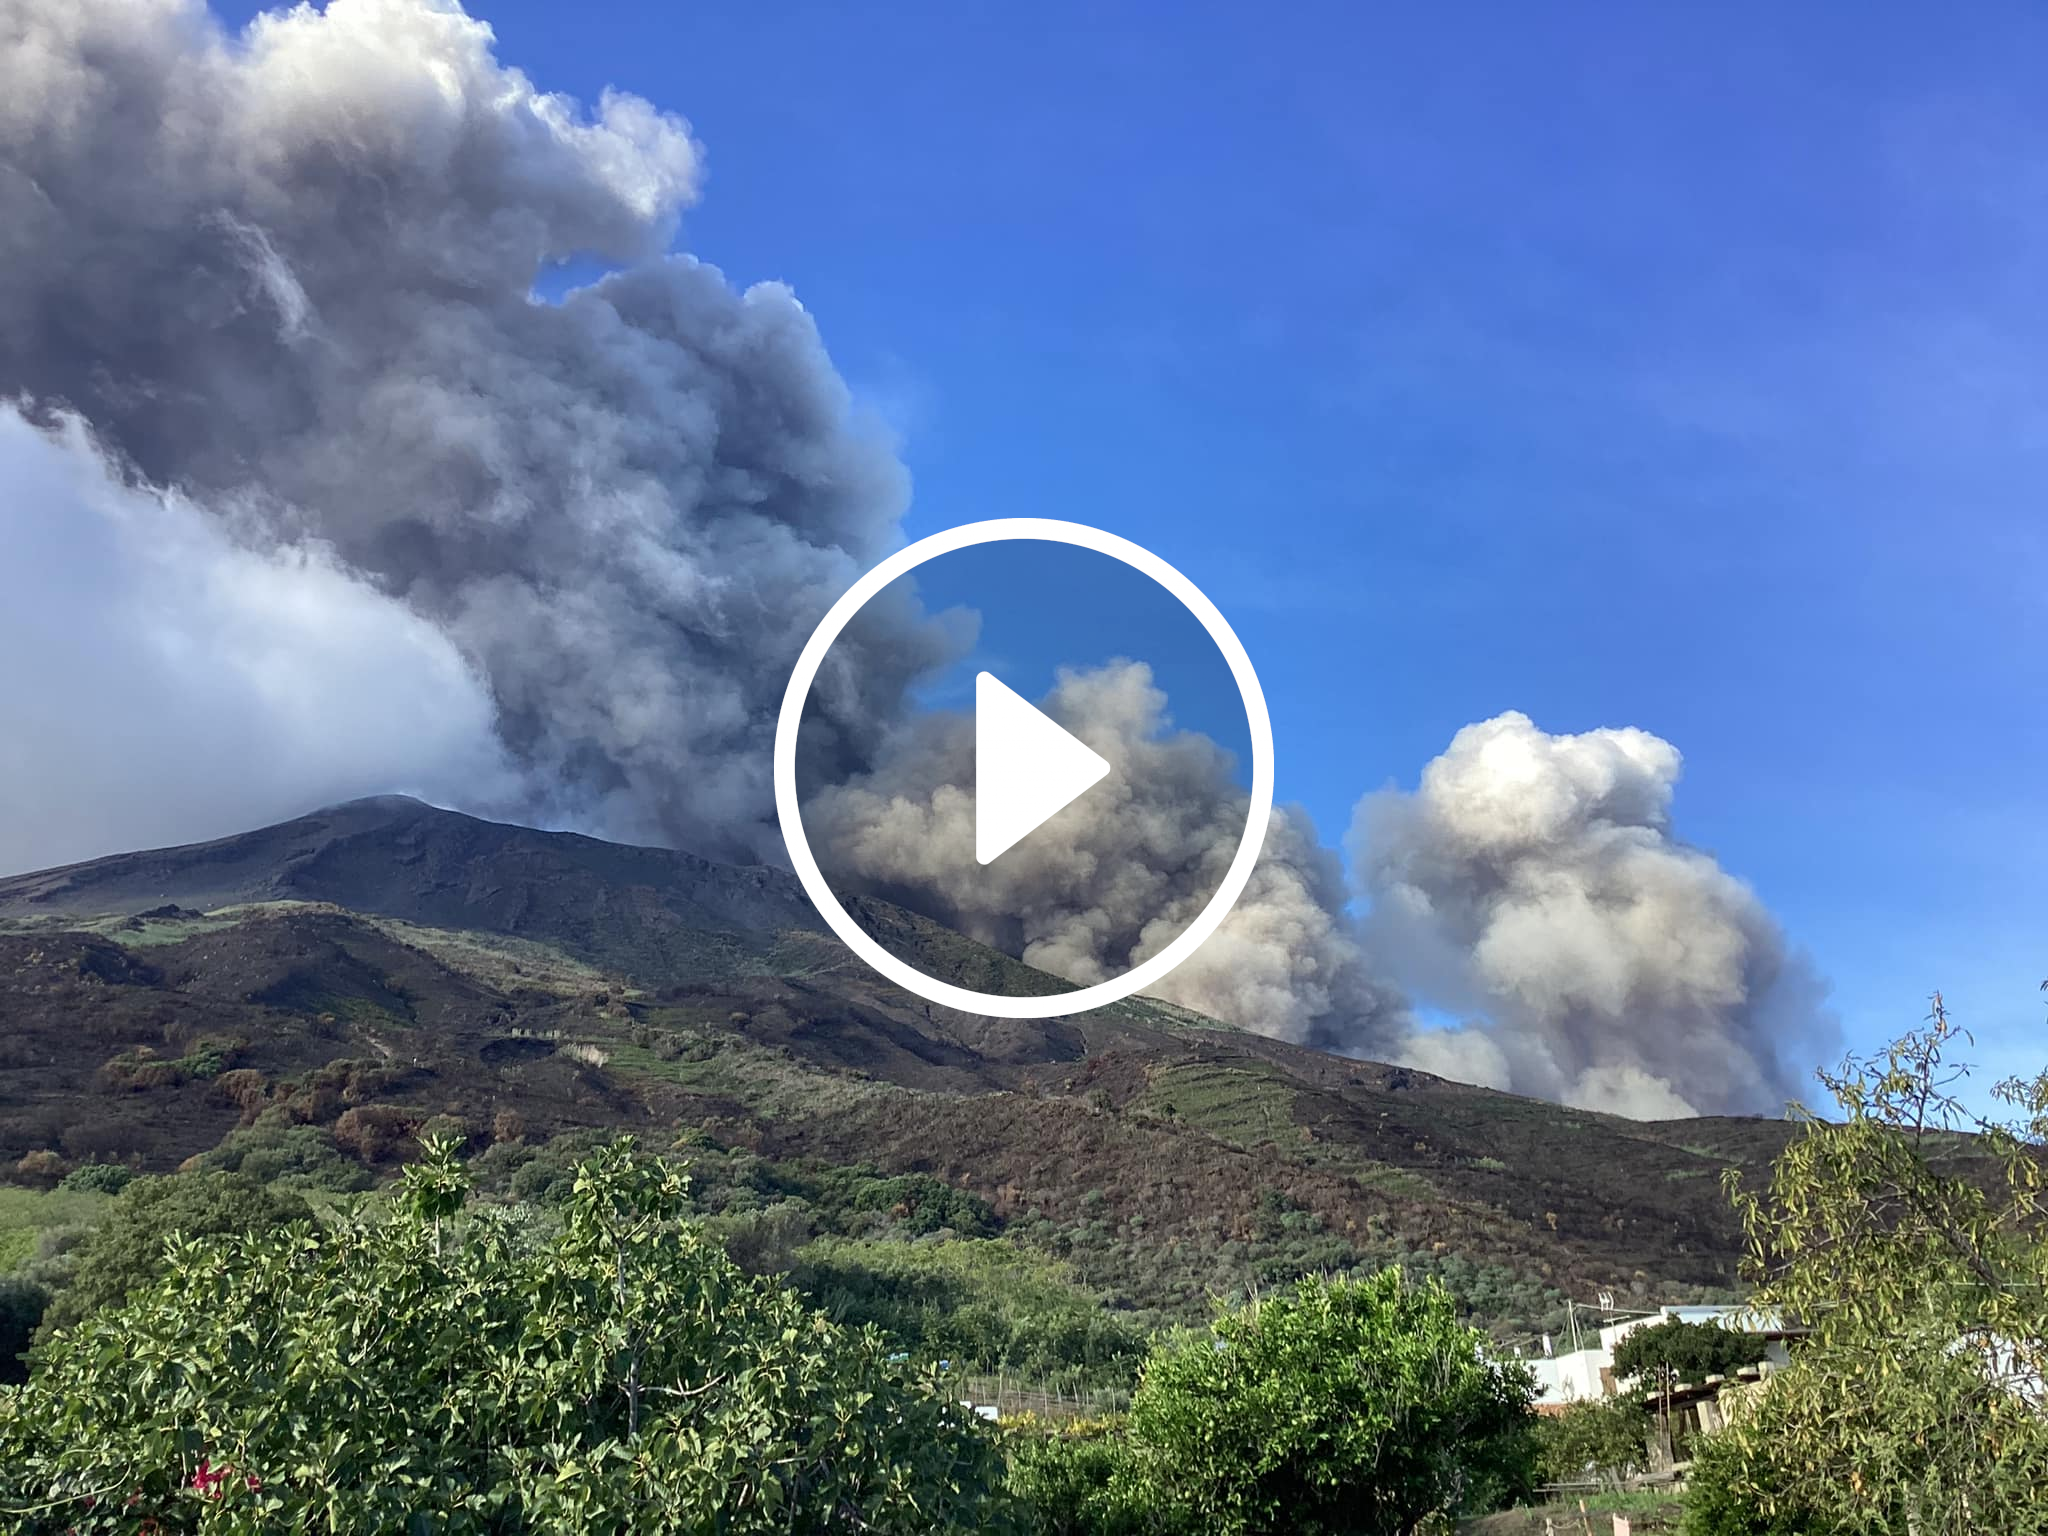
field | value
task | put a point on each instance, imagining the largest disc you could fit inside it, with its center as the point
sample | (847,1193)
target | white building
(1588,1372)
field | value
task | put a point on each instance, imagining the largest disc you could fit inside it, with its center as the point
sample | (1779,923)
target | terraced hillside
(381,965)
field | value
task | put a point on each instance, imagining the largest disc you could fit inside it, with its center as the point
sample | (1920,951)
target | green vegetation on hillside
(1917,1402)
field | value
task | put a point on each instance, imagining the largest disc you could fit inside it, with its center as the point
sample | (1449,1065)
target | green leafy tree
(1606,1438)
(1065,1481)
(98,1178)
(1661,1355)
(1917,1258)
(126,1250)
(1344,1406)
(437,1369)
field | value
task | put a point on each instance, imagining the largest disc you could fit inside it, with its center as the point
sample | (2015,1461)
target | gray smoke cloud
(319,499)
(1116,875)
(289,276)
(1535,880)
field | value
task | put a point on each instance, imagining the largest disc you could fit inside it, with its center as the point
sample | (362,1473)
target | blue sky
(1618,366)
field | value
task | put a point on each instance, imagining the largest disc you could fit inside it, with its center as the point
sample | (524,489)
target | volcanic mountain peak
(397,857)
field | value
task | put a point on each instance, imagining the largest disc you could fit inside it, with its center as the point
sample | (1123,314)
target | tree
(126,1250)
(1663,1355)
(1342,1406)
(1607,1437)
(1917,1257)
(440,1369)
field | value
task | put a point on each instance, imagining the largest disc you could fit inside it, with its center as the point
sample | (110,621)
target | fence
(1010,1397)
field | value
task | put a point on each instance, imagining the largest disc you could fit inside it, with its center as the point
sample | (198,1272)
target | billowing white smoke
(1534,879)
(1121,871)
(166,683)
(290,275)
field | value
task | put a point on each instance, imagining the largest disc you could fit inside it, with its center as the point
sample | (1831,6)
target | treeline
(571,1336)
(435,1362)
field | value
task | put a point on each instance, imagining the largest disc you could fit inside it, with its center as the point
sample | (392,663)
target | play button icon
(1026,769)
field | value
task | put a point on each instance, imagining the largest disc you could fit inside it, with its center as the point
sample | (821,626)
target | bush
(1341,1408)
(979,1303)
(441,1373)
(1723,1485)
(376,1132)
(98,1178)
(1065,1481)
(1606,1438)
(126,1250)
(298,1156)
(41,1167)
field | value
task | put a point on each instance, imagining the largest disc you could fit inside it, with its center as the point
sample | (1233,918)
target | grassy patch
(499,961)
(1247,1105)
(771,1083)
(151,932)
(27,1213)
(1390,1180)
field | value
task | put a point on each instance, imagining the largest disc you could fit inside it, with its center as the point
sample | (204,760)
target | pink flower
(209,1478)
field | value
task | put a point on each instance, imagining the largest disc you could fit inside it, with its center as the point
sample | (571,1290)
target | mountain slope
(396,857)
(373,966)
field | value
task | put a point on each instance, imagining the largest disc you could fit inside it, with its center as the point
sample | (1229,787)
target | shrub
(980,1303)
(42,1167)
(1604,1437)
(1065,1480)
(375,1132)
(1738,1486)
(126,1250)
(299,1156)
(99,1178)
(1343,1406)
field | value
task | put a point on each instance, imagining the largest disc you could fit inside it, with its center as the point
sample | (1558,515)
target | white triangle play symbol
(1026,768)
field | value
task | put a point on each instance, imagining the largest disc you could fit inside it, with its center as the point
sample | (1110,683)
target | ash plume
(1535,880)
(1116,875)
(317,498)
(288,276)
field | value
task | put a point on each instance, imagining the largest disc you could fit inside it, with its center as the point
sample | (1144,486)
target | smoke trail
(289,274)
(1117,874)
(1535,879)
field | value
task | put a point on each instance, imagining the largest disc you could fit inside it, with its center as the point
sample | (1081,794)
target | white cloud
(165,684)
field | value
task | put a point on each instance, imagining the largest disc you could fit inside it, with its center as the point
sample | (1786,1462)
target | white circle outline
(789,813)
